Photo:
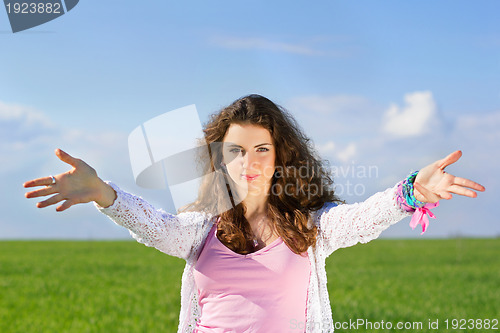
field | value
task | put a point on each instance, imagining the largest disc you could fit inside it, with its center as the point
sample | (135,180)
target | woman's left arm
(346,225)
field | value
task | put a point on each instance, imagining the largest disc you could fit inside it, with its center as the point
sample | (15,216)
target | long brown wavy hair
(299,170)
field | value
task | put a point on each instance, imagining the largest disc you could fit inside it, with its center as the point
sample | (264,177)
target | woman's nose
(249,161)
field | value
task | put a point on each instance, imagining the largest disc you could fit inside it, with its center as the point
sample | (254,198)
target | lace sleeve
(169,233)
(346,225)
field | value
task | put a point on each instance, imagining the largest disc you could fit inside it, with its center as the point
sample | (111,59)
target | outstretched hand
(433,183)
(78,185)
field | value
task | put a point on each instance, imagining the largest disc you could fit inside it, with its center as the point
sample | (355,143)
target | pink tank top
(264,291)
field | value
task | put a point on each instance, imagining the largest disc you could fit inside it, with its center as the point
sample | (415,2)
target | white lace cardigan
(183,235)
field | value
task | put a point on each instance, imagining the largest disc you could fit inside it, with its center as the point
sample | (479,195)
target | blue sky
(389,84)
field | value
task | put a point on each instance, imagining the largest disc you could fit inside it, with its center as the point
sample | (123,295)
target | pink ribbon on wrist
(420,216)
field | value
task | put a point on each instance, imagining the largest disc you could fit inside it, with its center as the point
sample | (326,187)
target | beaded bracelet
(406,199)
(408,194)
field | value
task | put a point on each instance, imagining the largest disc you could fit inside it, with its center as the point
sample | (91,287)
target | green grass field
(123,286)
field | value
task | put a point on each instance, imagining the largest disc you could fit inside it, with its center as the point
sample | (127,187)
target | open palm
(78,185)
(433,183)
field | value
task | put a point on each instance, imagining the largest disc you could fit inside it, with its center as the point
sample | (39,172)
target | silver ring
(53,181)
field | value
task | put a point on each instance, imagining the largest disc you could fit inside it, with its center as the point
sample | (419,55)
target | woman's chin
(250,189)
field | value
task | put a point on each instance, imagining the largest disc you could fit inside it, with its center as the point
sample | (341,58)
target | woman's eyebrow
(262,144)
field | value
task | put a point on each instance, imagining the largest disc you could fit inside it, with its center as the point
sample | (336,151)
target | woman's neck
(255,207)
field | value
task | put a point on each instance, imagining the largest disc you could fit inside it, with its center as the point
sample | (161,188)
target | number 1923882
(33,8)
(473,324)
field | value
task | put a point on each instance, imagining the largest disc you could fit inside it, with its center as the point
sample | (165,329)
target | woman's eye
(238,150)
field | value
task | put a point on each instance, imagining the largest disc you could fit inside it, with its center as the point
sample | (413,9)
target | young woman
(266,218)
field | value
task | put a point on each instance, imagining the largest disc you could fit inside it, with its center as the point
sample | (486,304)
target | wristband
(407,201)
(408,191)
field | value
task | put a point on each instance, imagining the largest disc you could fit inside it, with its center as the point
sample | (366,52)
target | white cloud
(344,154)
(414,118)
(329,104)
(22,114)
(336,46)
(338,118)
(21,124)
(28,138)
(478,135)
(485,125)
(348,152)
(264,44)
(326,147)
(27,134)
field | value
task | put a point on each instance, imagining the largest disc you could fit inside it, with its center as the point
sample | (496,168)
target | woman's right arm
(172,234)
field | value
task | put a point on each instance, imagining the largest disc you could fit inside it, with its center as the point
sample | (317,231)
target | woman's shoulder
(315,215)
(326,206)
(196,217)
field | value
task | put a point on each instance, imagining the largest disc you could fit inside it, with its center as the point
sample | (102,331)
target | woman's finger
(450,159)
(50,201)
(65,205)
(445,195)
(67,158)
(41,192)
(43,181)
(468,183)
(462,191)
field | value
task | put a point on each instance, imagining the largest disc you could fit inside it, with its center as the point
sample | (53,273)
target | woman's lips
(249,177)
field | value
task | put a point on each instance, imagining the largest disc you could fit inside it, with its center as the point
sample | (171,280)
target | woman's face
(249,155)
